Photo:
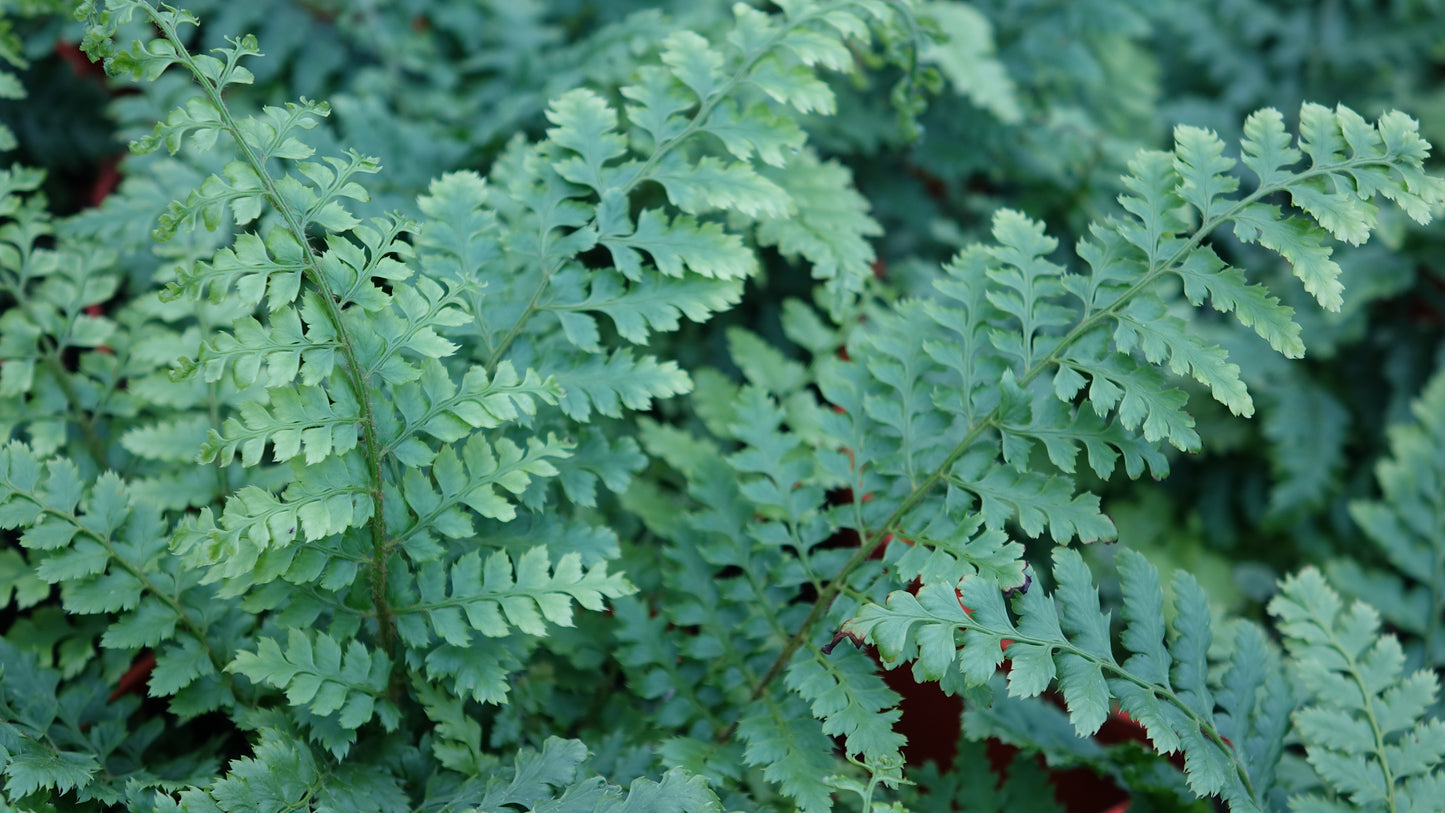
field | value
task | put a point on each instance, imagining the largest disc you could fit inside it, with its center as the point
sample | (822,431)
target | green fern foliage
(964,789)
(1064,640)
(1017,352)
(1364,725)
(1403,524)
(390,388)
(481,406)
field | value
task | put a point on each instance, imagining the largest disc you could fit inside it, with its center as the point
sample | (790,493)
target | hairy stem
(370,445)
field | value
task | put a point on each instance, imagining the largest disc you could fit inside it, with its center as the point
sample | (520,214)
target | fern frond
(32,759)
(1106,332)
(109,556)
(606,384)
(1065,640)
(847,694)
(328,680)
(50,288)
(554,777)
(488,599)
(785,739)
(646,306)
(1364,723)
(287,771)
(700,89)
(1404,524)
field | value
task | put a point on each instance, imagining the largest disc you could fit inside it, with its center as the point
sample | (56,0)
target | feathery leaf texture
(1364,722)
(394,511)
(1014,346)
(1404,523)
(378,396)
(1226,724)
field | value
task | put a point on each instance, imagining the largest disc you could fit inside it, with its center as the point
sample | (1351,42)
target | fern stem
(370,444)
(1368,692)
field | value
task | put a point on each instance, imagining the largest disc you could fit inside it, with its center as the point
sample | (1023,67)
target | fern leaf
(1037,503)
(481,673)
(1061,433)
(597,458)
(175,440)
(1256,701)
(1027,325)
(300,420)
(846,693)
(1065,638)
(458,239)
(285,771)
(1266,146)
(829,228)
(711,185)
(327,501)
(1202,166)
(490,600)
(1402,525)
(794,750)
(586,125)
(1204,274)
(1029,279)
(897,358)
(1364,726)
(676,791)
(318,673)
(947,554)
(968,60)
(448,411)
(1138,393)
(679,245)
(535,775)
(649,305)
(472,479)
(1162,339)
(283,351)
(1300,243)
(29,706)
(756,130)
(609,383)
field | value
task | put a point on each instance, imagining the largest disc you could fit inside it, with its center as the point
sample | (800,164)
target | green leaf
(711,185)
(609,383)
(1356,681)
(586,125)
(679,245)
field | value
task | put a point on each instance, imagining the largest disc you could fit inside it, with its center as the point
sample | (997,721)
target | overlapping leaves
(1064,640)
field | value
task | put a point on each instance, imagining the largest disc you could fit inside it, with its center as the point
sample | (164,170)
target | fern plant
(1103,356)
(484,503)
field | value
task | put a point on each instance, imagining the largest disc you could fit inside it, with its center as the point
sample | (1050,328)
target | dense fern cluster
(548,458)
